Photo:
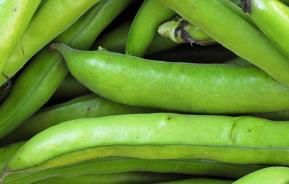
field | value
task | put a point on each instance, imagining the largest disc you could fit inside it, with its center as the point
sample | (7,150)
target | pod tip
(55,46)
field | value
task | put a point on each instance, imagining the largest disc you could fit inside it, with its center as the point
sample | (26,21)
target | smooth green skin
(37,35)
(117,178)
(115,41)
(199,181)
(246,41)
(108,11)
(70,88)
(39,81)
(270,175)
(88,106)
(15,16)
(201,88)
(272,17)
(181,32)
(28,93)
(239,140)
(144,26)
(234,5)
(7,152)
(117,165)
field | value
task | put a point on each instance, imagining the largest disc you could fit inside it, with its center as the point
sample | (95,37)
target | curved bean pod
(17,107)
(199,181)
(144,27)
(15,16)
(239,140)
(116,40)
(176,86)
(272,17)
(247,41)
(117,165)
(82,107)
(117,178)
(37,35)
(271,175)
(40,80)
(7,152)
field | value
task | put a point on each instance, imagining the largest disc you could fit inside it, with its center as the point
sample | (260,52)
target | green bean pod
(37,35)
(117,165)
(144,27)
(70,88)
(199,181)
(237,140)
(7,152)
(39,81)
(270,175)
(117,178)
(82,107)
(176,86)
(115,41)
(235,33)
(272,17)
(15,16)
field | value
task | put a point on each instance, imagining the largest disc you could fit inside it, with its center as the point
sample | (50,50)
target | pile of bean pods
(144,91)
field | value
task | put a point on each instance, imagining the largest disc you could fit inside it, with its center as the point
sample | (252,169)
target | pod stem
(181,31)
(57,46)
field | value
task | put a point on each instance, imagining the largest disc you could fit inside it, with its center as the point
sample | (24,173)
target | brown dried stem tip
(246,5)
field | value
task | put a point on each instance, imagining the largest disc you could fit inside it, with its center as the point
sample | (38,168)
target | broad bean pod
(270,175)
(116,178)
(39,81)
(144,27)
(236,140)
(15,16)
(115,41)
(7,152)
(37,35)
(235,33)
(116,165)
(187,87)
(272,17)
(199,181)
